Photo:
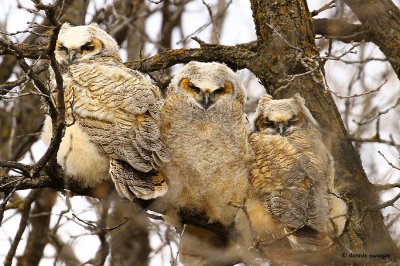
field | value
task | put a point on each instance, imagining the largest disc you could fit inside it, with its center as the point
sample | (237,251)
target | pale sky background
(238,28)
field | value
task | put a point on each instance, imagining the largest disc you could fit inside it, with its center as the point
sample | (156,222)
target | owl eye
(220,90)
(194,88)
(269,123)
(62,48)
(293,120)
(88,47)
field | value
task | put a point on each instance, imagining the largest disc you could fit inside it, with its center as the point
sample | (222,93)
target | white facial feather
(209,76)
(72,38)
(284,112)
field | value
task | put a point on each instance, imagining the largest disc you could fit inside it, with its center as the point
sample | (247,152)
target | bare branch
(6,87)
(391,164)
(22,225)
(340,30)
(359,94)
(325,7)
(389,203)
(386,186)
(234,56)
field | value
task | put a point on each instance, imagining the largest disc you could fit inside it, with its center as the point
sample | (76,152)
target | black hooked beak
(206,100)
(72,56)
(282,129)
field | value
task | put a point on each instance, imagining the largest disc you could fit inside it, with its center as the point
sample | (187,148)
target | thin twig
(328,6)
(391,164)
(389,203)
(359,94)
(200,29)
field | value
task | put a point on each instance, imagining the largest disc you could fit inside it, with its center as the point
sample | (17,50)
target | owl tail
(132,184)
(308,239)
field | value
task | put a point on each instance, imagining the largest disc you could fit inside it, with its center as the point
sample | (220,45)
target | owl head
(207,84)
(76,44)
(282,117)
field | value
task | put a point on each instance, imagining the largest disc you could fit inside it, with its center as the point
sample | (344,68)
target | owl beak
(206,103)
(282,129)
(72,56)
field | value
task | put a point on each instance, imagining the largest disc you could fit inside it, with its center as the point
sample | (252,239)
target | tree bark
(382,19)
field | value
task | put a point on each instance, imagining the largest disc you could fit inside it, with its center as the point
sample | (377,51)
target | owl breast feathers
(113,116)
(293,174)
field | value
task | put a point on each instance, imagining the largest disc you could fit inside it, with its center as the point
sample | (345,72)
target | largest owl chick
(204,129)
(293,174)
(112,114)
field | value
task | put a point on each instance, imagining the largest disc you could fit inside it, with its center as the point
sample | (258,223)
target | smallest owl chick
(292,177)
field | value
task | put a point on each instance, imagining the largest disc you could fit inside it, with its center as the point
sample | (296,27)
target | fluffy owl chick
(204,129)
(113,116)
(293,175)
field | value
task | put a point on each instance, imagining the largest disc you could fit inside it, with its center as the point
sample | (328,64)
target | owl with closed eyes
(292,176)
(204,129)
(112,116)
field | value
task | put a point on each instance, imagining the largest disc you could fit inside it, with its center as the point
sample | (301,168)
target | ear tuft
(302,105)
(94,24)
(265,98)
(66,25)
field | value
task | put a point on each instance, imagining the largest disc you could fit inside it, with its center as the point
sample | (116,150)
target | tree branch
(22,225)
(235,57)
(340,30)
(381,18)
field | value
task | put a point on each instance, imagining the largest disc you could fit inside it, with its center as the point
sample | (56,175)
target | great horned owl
(112,114)
(204,129)
(293,175)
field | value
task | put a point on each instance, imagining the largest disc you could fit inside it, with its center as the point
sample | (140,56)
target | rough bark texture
(285,49)
(382,19)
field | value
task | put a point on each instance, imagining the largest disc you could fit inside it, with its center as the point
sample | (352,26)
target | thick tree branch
(31,51)
(235,57)
(381,18)
(340,30)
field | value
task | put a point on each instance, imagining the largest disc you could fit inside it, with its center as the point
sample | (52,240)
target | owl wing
(302,211)
(276,179)
(120,112)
